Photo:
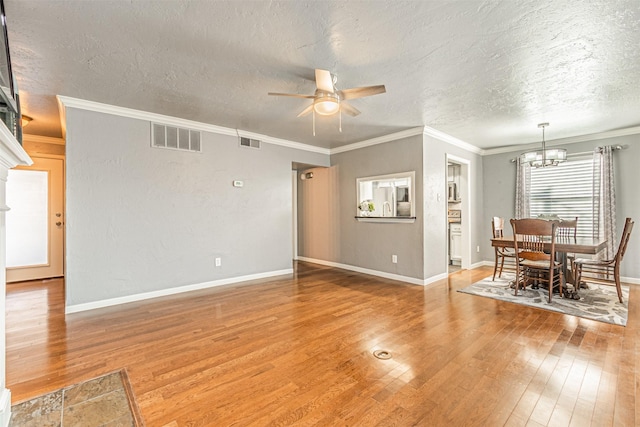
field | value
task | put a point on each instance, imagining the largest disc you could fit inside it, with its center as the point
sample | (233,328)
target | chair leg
(577,276)
(616,275)
(495,268)
(517,280)
(501,266)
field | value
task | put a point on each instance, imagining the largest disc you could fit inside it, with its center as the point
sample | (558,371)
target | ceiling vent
(174,138)
(249,143)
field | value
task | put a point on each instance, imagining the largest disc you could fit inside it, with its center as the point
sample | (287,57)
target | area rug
(599,302)
(104,401)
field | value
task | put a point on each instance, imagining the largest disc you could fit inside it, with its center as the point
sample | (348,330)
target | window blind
(565,190)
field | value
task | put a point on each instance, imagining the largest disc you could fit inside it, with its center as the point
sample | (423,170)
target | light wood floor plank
(297,350)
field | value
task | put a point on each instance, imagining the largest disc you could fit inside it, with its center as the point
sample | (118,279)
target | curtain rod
(599,148)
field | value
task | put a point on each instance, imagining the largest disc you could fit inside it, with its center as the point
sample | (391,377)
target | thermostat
(238,183)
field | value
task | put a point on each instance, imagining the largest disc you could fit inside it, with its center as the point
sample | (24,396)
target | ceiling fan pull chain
(314,122)
(340,120)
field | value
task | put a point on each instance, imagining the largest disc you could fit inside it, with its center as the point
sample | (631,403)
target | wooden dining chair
(502,254)
(534,241)
(568,229)
(605,271)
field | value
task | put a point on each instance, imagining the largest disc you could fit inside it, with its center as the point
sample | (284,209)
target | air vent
(249,143)
(163,136)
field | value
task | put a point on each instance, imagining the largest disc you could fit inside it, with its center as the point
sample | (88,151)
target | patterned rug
(599,302)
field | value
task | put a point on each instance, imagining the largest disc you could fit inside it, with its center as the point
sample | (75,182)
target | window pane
(565,190)
(27,225)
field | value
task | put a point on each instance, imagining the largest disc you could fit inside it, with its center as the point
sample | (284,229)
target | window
(565,190)
(386,196)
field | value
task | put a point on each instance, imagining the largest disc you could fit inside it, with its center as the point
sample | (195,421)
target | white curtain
(523,186)
(604,200)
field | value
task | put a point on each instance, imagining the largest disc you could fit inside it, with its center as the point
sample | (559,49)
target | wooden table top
(579,245)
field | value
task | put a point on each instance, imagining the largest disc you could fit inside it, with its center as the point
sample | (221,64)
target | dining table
(563,246)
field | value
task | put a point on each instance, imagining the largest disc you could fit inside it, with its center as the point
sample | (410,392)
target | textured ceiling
(485,72)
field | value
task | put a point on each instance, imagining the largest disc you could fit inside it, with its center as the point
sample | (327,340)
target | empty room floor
(298,349)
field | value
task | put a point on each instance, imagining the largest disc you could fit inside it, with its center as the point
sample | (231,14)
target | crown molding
(565,141)
(379,140)
(422,130)
(26,137)
(62,111)
(445,137)
(82,104)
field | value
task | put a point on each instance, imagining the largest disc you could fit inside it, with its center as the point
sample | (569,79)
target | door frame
(465,218)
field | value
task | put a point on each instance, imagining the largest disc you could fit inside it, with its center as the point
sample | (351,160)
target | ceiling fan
(328,100)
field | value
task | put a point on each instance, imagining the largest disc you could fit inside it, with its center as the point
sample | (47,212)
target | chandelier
(544,158)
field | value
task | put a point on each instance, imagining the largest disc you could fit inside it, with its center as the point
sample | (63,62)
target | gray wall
(421,246)
(499,189)
(141,219)
(370,245)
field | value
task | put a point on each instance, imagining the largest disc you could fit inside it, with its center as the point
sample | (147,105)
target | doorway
(458,214)
(35,223)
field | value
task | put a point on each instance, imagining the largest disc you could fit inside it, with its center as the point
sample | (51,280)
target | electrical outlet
(477,248)
(394,259)
(218,262)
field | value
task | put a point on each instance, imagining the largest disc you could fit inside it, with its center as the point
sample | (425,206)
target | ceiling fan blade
(349,109)
(306,111)
(324,81)
(294,95)
(360,92)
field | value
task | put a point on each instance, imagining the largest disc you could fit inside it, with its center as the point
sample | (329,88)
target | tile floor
(100,402)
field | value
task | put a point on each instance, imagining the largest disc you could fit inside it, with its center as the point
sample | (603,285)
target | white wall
(435,208)
(143,219)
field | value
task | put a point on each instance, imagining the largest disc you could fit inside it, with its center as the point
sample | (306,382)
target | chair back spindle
(568,228)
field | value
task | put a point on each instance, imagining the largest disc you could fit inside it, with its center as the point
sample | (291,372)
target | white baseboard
(481,264)
(172,291)
(5,407)
(412,280)
(430,280)
(629,280)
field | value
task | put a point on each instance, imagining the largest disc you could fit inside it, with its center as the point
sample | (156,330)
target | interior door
(35,223)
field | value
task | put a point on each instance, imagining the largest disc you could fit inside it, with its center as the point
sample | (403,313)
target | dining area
(547,252)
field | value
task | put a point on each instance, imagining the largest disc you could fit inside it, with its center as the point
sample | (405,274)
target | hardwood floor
(298,350)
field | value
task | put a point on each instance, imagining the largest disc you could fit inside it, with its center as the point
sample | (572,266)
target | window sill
(405,219)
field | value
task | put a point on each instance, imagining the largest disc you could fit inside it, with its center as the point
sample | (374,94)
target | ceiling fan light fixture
(327,100)
(544,158)
(326,105)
